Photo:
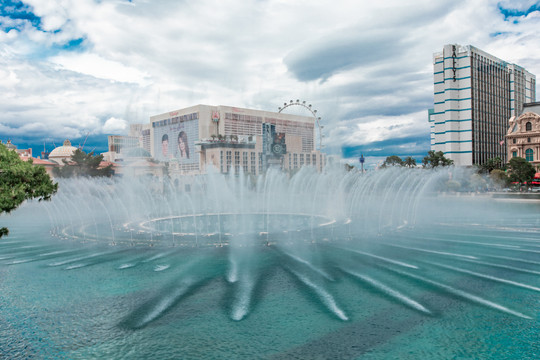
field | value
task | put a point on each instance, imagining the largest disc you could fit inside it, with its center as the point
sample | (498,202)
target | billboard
(174,139)
(278,145)
(273,142)
(268,133)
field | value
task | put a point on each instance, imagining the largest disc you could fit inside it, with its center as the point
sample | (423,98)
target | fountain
(331,265)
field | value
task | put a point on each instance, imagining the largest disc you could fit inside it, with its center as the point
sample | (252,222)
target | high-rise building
(141,131)
(233,139)
(117,143)
(475,94)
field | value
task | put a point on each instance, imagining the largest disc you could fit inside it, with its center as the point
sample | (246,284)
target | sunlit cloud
(115,126)
(94,65)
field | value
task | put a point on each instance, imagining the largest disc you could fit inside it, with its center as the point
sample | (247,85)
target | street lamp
(362,160)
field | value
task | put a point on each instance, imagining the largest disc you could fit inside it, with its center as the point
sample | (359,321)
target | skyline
(68,68)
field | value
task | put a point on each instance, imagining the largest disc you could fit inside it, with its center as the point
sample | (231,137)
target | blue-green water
(464,286)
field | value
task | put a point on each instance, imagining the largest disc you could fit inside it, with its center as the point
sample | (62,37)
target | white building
(61,153)
(475,94)
(230,138)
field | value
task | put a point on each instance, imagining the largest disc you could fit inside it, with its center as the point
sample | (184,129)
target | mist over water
(335,265)
(236,210)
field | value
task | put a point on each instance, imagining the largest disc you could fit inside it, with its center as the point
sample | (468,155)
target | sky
(85,69)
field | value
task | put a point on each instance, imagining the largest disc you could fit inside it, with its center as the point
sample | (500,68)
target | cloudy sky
(69,68)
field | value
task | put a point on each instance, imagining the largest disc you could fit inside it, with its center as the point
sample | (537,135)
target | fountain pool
(336,265)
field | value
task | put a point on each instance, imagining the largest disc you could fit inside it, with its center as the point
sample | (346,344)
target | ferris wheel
(313,112)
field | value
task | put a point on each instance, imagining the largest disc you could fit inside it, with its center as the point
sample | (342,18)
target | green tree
(19,181)
(409,162)
(492,164)
(520,170)
(499,178)
(83,164)
(477,183)
(435,159)
(393,160)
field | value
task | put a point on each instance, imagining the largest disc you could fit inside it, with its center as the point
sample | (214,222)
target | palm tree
(409,162)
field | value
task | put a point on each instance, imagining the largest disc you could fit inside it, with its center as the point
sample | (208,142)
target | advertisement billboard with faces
(174,139)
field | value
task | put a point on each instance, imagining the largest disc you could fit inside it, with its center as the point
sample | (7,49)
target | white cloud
(366,66)
(9,79)
(95,65)
(115,126)
(378,128)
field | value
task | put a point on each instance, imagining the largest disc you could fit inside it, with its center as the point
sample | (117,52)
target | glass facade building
(475,94)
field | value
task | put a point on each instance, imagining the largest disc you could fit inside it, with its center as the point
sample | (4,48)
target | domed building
(62,152)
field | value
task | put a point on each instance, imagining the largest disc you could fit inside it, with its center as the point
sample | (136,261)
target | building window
(229,158)
(221,161)
(295,161)
(253,169)
(514,153)
(260,163)
(528,139)
(528,126)
(236,162)
(513,140)
(302,160)
(529,155)
(245,162)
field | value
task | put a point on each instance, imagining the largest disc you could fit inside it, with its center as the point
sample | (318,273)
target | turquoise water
(460,286)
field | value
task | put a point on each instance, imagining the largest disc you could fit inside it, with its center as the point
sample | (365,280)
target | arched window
(528,126)
(529,155)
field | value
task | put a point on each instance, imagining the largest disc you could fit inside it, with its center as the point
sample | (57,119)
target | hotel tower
(475,94)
